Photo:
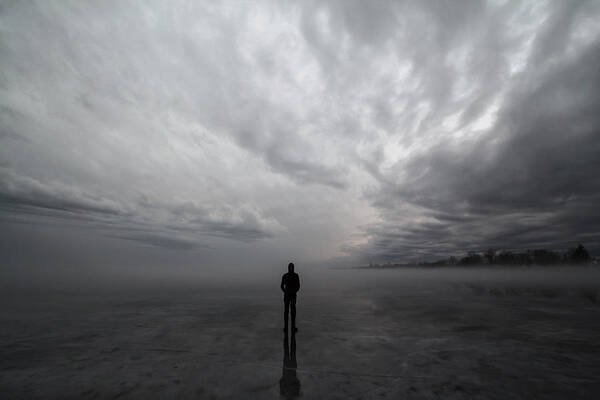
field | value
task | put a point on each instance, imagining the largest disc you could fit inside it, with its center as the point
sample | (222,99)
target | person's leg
(286,307)
(293,306)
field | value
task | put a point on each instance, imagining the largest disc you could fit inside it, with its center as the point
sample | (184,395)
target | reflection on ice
(289,384)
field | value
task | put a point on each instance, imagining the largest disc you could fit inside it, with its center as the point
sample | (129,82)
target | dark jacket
(290,283)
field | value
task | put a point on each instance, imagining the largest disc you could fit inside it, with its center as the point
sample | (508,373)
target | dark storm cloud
(534,184)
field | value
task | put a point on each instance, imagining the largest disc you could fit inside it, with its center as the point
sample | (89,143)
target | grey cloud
(27,196)
(555,34)
(230,230)
(423,35)
(128,60)
(162,241)
(536,186)
(17,192)
(306,171)
(264,129)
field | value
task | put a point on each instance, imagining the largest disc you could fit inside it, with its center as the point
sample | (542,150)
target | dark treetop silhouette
(290,284)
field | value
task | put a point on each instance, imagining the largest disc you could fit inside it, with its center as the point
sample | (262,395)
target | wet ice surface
(374,334)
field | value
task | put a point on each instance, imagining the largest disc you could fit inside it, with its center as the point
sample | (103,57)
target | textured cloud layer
(374,130)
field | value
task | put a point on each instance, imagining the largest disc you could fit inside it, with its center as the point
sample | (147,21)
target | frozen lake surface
(362,334)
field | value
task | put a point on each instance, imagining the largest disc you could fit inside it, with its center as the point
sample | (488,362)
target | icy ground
(362,334)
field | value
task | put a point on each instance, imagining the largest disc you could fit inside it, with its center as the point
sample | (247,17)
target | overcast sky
(252,132)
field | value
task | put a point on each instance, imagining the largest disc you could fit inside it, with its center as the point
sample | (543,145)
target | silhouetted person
(290,284)
(289,384)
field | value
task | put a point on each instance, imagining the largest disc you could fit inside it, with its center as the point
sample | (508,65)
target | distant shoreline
(448,266)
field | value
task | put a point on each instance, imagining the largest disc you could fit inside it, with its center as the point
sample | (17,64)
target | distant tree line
(575,255)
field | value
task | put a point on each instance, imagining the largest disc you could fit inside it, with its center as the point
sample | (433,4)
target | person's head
(291,267)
